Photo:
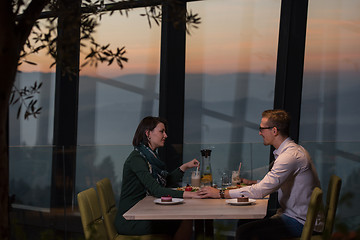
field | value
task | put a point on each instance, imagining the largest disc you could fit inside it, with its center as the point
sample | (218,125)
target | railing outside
(31,169)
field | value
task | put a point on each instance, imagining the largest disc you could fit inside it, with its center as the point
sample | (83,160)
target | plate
(174,201)
(234,201)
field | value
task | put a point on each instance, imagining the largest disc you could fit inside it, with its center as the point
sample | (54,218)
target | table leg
(204,229)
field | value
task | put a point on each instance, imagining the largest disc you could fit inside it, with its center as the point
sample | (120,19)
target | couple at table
(293,175)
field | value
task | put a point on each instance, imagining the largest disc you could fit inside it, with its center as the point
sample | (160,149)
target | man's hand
(209,192)
(188,194)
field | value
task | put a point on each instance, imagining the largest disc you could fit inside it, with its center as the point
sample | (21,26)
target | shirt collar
(278,151)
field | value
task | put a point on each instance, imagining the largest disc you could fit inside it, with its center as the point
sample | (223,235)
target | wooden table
(203,211)
(146,209)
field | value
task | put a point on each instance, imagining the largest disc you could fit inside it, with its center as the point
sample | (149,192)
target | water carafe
(206,175)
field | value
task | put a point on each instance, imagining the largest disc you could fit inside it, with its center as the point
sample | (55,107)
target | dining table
(203,211)
(194,208)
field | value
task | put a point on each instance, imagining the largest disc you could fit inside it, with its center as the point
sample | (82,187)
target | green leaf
(18,112)
(29,62)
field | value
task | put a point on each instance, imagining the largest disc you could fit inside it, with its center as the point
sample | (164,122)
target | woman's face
(157,136)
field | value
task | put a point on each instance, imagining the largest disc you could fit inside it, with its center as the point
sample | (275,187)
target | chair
(313,210)
(91,217)
(332,198)
(108,206)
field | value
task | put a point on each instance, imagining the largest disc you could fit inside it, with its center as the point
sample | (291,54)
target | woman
(144,174)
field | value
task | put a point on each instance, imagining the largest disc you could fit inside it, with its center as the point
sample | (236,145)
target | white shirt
(294,177)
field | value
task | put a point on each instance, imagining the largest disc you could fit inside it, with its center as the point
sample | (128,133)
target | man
(293,175)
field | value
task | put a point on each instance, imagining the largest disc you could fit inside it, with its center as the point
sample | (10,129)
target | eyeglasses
(262,128)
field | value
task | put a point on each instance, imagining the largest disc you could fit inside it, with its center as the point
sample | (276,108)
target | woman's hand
(191,164)
(209,192)
(191,195)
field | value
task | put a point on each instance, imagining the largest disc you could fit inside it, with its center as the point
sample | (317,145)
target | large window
(30,140)
(330,113)
(112,101)
(230,79)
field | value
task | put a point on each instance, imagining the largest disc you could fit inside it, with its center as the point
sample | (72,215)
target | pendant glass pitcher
(206,174)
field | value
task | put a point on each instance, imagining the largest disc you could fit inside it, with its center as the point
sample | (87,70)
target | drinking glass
(195,179)
(225,179)
(235,178)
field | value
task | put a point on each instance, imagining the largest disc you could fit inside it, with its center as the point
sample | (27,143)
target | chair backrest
(332,198)
(313,210)
(109,210)
(90,213)
(108,206)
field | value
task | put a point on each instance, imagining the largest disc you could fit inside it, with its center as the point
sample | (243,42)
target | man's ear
(275,131)
(147,133)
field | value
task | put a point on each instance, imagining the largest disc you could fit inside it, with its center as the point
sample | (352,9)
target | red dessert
(166,198)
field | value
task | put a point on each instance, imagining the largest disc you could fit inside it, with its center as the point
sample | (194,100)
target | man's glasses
(262,128)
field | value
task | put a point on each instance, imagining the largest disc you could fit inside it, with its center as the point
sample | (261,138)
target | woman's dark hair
(148,123)
(280,119)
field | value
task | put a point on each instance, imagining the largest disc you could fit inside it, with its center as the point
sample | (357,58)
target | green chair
(108,206)
(332,198)
(91,217)
(313,210)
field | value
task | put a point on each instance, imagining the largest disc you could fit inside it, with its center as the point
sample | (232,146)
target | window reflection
(329,114)
(230,79)
(112,101)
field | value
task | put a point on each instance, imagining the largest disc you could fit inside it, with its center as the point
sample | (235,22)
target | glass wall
(33,131)
(330,114)
(112,101)
(230,79)
(30,158)
(30,152)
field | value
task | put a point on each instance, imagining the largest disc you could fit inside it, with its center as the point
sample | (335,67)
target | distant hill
(218,108)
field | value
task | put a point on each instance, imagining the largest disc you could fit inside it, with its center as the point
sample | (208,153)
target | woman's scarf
(157,167)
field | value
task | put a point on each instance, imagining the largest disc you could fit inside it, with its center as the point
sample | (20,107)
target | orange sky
(237,36)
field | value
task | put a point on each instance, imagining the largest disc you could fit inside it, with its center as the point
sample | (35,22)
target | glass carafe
(206,174)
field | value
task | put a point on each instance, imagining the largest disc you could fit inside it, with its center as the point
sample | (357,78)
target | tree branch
(28,19)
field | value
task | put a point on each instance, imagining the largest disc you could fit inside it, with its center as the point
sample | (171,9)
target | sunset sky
(238,36)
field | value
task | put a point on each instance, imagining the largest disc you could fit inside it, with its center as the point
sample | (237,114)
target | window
(112,101)
(230,79)
(330,113)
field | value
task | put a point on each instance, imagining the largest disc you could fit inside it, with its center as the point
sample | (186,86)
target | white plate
(174,201)
(234,201)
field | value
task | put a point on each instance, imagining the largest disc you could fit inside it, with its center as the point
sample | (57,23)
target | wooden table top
(146,209)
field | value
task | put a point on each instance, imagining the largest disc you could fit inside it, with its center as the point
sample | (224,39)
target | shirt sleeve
(284,166)
(139,166)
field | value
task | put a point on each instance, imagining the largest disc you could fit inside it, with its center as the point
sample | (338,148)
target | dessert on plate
(242,199)
(166,198)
